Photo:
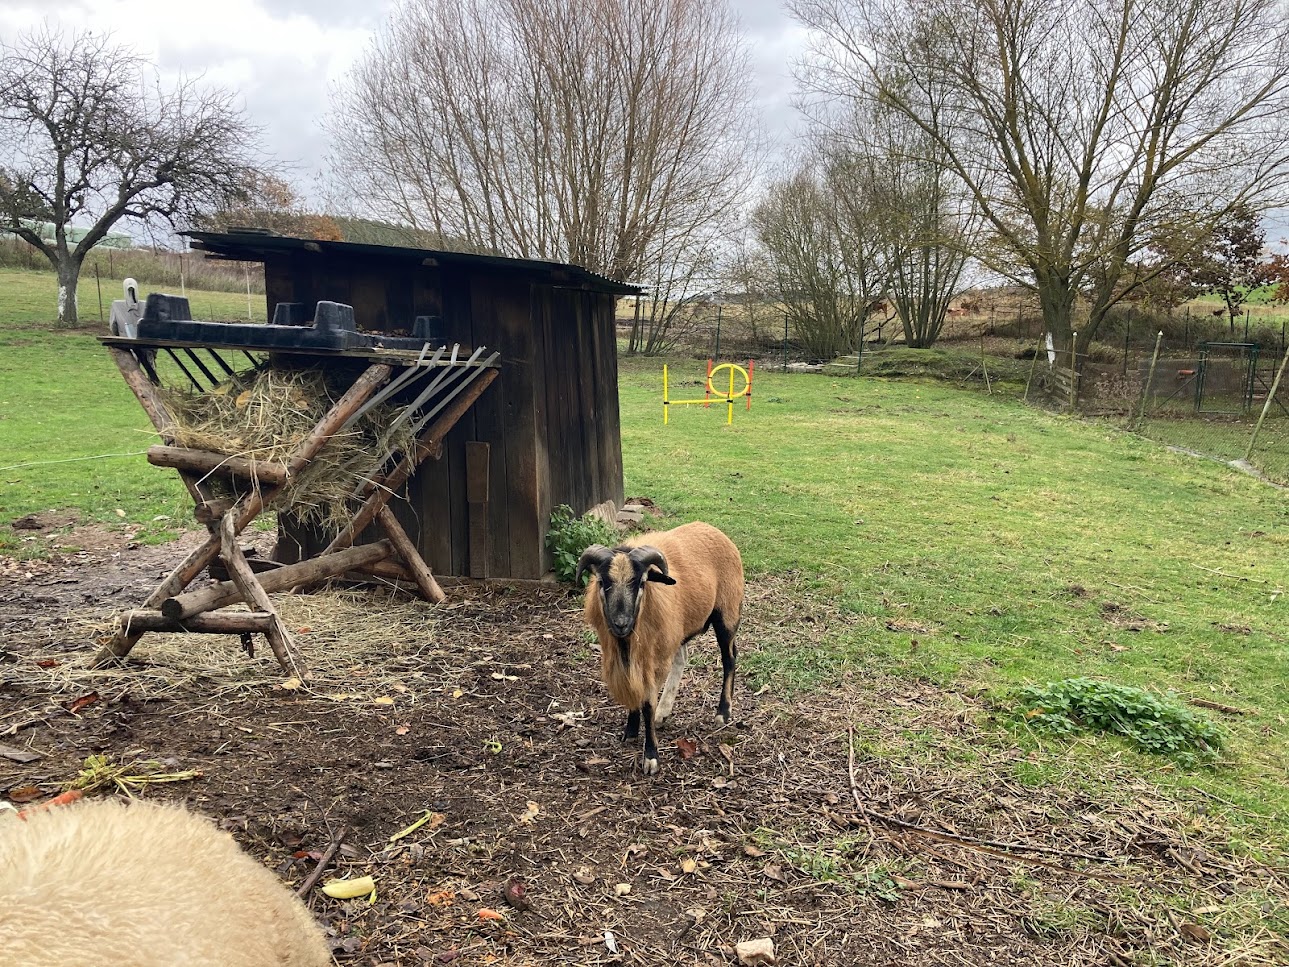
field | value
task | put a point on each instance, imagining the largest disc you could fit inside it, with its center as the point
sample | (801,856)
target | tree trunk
(69,273)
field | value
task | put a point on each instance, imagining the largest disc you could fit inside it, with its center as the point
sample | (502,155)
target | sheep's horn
(647,555)
(594,556)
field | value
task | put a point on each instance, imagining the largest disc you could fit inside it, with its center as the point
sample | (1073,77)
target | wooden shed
(545,433)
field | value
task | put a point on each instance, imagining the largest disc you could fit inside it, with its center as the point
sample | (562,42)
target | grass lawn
(970,540)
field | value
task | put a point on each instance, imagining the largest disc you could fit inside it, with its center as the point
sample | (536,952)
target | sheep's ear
(652,558)
(594,557)
(653,574)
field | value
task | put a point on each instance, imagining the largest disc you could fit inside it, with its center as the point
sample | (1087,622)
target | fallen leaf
(84,701)
(666,874)
(383,700)
(486,914)
(1193,931)
(24,794)
(688,748)
(120,512)
(774,872)
(622,889)
(442,898)
(584,876)
(755,952)
(688,865)
(291,684)
(530,813)
(447,956)
(750,850)
(48,663)
(403,729)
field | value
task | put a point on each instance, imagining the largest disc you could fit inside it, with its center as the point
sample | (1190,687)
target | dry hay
(267,414)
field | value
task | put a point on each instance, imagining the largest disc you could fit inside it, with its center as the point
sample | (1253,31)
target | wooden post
(212,622)
(1150,379)
(1266,407)
(421,573)
(184,606)
(284,649)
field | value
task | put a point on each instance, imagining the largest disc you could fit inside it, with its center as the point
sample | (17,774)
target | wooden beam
(206,462)
(280,640)
(212,622)
(377,492)
(315,569)
(421,574)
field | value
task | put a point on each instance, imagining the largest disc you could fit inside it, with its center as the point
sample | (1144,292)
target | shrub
(569,536)
(1158,724)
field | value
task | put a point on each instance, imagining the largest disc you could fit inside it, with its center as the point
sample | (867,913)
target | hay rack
(423,382)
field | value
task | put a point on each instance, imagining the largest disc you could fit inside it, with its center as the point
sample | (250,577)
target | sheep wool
(143,885)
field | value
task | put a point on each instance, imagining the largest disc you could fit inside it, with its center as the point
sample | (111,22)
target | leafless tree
(613,134)
(1083,129)
(816,228)
(88,138)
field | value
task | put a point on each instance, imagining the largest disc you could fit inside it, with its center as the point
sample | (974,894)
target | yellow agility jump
(728,398)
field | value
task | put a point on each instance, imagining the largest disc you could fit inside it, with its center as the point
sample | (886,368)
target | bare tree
(1083,129)
(816,230)
(268,202)
(612,133)
(86,140)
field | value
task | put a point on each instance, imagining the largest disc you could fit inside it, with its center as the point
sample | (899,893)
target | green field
(967,539)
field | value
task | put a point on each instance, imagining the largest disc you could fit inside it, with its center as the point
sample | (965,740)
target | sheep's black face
(621,591)
(622,574)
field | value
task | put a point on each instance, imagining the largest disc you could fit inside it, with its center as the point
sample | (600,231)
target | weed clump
(569,536)
(1161,725)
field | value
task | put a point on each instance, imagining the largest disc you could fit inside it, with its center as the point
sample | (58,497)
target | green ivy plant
(569,536)
(1157,724)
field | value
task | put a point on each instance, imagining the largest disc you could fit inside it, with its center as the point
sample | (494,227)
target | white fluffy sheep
(141,885)
(646,599)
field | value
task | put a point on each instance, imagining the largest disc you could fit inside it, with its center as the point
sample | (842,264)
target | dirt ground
(799,823)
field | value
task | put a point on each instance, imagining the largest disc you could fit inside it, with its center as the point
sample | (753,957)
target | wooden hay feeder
(404,329)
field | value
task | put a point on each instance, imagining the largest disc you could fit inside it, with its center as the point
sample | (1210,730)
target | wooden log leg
(280,640)
(430,589)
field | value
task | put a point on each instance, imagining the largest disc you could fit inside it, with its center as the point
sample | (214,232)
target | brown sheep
(142,885)
(646,599)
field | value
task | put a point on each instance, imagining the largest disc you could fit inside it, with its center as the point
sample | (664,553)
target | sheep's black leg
(650,743)
(632,730)
(729,657)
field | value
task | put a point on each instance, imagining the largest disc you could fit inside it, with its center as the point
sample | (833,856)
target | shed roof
(258,246)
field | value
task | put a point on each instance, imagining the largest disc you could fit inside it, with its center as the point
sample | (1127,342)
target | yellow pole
(729,399)
(665,407)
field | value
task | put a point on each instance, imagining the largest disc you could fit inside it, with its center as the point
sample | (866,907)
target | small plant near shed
(569,536)
(1153,723)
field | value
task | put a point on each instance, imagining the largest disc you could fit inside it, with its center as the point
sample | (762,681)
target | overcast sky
(283,56)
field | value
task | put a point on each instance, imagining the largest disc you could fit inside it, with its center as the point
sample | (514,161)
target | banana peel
(349,889)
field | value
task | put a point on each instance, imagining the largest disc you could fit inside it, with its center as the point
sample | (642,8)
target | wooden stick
(986,845)
(312,879)
(205,462)
(248,506)
(411,556)
(184,606)
(280,640)
(212,622)
(377,492)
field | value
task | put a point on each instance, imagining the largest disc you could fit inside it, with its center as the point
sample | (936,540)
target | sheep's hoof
(651,767)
